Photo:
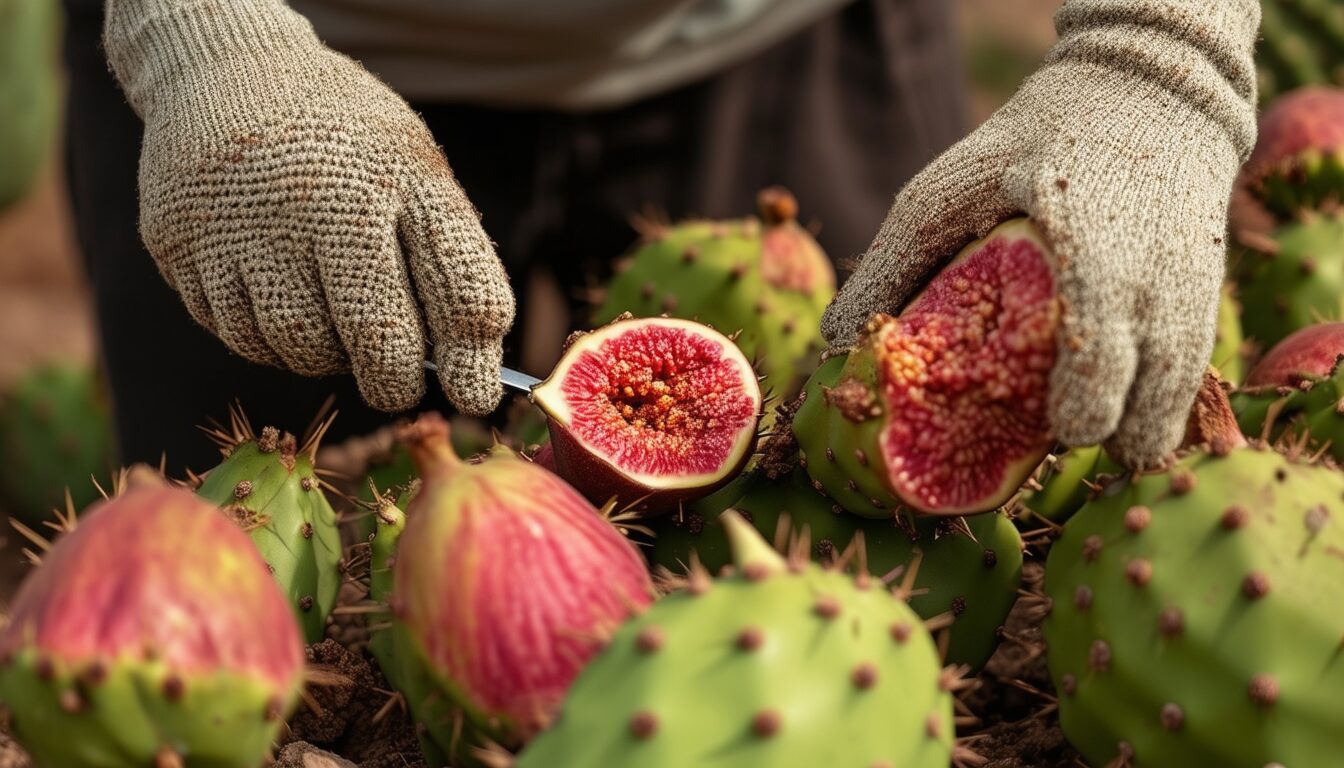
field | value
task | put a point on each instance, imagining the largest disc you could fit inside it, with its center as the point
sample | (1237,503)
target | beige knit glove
(1123,147)
(300,208)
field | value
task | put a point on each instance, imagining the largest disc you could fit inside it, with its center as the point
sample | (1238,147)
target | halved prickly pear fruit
(150,635)
(652,411)
(943,408)
(506,581)
(774,664)
(268,485)
(1310,353)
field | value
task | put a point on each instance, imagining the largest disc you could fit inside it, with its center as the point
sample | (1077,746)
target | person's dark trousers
(843,114)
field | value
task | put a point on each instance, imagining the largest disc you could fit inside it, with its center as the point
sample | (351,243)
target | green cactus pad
(971,574)
(1196,616)
(30,92)
(722,274)
(136,713)
(271,489)
(1294,280)
(55,435)
(1228,356)
(1301,43)
(1064,488)
(771,666)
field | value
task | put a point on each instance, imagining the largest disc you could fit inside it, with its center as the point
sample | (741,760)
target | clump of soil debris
(1013,697)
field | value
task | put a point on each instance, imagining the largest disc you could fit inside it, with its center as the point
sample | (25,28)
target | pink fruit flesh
(662,399)
(1306,119)
(158,572)
(1307,354)
(964,372)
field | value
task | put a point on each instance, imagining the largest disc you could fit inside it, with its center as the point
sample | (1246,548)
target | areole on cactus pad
(943,408)
(150,635)
(652,411)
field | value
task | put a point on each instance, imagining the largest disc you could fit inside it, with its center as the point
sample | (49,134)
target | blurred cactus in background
(29,92)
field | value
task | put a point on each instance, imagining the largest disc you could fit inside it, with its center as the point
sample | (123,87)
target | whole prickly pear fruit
(1296,389)
(775,665)
(55,435)
(1195,619)
(506,581)
(1310,353)
(967,571)
(1301,43)
(766,280)
(942,409)
(150,635)
(268,485)
(653,412)
(1289,217)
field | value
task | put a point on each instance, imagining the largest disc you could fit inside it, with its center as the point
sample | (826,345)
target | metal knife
(509,377)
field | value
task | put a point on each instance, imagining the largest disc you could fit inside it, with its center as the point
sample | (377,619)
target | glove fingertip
(470,377)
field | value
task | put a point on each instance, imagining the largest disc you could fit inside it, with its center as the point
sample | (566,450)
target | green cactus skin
(1064,487)
(974,578)
(850,477)
(1297,283)
(715,272)
(1196,616)
(223,719)
(1227,354)
(771,666)
(55,435)
(1312,410)
(1301,43)
(447,737)
(30,92)
(277,498)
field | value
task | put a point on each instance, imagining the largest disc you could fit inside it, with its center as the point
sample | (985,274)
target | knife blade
(509,377)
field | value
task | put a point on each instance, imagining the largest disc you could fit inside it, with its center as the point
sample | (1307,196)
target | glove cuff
(1200,50)
(154,43)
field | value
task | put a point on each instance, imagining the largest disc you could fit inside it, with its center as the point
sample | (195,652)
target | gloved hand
(303,212)
(1123,148)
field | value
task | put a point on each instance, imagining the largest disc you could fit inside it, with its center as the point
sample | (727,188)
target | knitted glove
(1123,148)
(300,208)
